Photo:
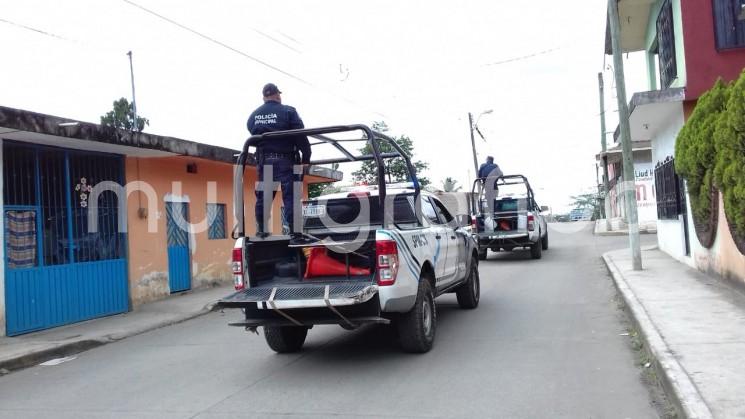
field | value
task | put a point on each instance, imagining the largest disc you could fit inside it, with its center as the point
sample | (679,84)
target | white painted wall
(2,248)
(646,202)
(670,233)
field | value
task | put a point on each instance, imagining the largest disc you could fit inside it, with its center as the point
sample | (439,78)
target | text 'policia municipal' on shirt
(274,116)
(266,119)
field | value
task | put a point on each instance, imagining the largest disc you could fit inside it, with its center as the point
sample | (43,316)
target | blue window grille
(216,221)
(177,228)
(45,206)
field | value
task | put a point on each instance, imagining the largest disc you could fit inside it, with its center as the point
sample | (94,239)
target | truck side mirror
(544,208)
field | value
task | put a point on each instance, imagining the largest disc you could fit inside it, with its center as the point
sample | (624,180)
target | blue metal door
(179,271)
(57,269)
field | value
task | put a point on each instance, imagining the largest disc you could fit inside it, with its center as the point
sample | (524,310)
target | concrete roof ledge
(325,172)
(654,97)
(675,94)
(15,122)
(33,122)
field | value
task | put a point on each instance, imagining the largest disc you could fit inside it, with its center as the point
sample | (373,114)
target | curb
(613,233)
(675,381)
(38,356)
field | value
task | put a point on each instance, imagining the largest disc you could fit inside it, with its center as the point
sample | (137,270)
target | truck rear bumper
(489,240)
(357,321)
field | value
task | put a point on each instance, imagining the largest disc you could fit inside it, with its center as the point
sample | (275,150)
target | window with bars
(729,23)
(666,45)
(668,190)
(21,212)
(46,193)
(216,221)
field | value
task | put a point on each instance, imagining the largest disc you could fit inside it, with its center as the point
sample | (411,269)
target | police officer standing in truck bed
(281,153)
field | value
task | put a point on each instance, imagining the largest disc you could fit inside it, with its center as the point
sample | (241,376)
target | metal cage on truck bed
(373,138)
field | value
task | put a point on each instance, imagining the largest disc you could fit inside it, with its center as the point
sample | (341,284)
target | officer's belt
(288,156)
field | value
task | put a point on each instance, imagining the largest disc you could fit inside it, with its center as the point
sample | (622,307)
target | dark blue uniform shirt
(274,116)
(487,168)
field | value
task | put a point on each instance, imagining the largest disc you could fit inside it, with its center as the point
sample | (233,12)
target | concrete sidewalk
(693,326)
(601,228)
(34,348)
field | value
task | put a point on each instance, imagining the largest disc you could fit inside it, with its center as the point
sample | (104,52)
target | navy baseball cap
(270,89)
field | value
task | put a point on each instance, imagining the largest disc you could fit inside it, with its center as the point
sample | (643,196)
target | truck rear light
(531,222)
(237,266)
(474,223)
(386,253)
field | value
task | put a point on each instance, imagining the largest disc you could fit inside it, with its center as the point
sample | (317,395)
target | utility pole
(604,148)
(473,145)
(134,102)
(629,186)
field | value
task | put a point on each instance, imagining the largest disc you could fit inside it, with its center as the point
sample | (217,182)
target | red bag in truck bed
(321,264)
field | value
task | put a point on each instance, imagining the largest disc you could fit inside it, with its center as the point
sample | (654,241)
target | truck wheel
(285,339)
(483,253)
(535,250)
(416,329)
(544,242)
(469,293)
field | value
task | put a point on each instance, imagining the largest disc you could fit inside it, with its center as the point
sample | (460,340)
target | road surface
(546,341)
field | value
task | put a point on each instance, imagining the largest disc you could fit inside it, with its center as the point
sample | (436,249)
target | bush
(695,152)
(729,171)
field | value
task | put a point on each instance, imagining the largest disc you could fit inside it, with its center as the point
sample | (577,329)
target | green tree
(729,169)
(450,185)
(122,116)
(587,201)
(695,153)
(395,169)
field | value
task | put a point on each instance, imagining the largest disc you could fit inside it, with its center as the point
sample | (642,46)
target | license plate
(314,210)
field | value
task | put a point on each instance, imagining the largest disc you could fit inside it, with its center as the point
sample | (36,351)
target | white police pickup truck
(377,255)
(512,220)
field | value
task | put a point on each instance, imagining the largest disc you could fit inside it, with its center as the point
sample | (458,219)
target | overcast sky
(419,65)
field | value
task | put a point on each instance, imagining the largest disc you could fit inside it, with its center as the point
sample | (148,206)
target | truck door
(453,260)
(439,256)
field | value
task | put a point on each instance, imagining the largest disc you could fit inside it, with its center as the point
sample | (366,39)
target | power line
(523,57)
(275,40)
(195,32)
(222,44)
(20,25)
(237,51)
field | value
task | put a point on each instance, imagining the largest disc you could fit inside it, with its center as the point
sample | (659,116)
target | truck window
(429,211)
(505,205)
(442,211)
(345,211)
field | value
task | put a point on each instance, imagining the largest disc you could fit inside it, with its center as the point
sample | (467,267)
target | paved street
(545,342)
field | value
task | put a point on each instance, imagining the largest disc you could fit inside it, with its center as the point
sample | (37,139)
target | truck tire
(544,242)
(535,250)
(285,339)
(469,293)
(483,253)
(416,329)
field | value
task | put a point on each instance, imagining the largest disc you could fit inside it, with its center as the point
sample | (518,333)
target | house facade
(615,207)
(97,221)
(688,45)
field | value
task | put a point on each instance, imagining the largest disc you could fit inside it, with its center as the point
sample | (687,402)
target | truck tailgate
(304,295)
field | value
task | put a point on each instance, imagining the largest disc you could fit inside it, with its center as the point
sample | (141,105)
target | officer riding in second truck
(281,154)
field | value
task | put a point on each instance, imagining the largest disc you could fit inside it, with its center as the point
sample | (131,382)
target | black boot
(302,239)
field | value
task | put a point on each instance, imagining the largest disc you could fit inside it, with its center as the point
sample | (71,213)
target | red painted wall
(704,64)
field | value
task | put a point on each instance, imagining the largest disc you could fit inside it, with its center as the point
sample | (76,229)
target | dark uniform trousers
(282,172)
